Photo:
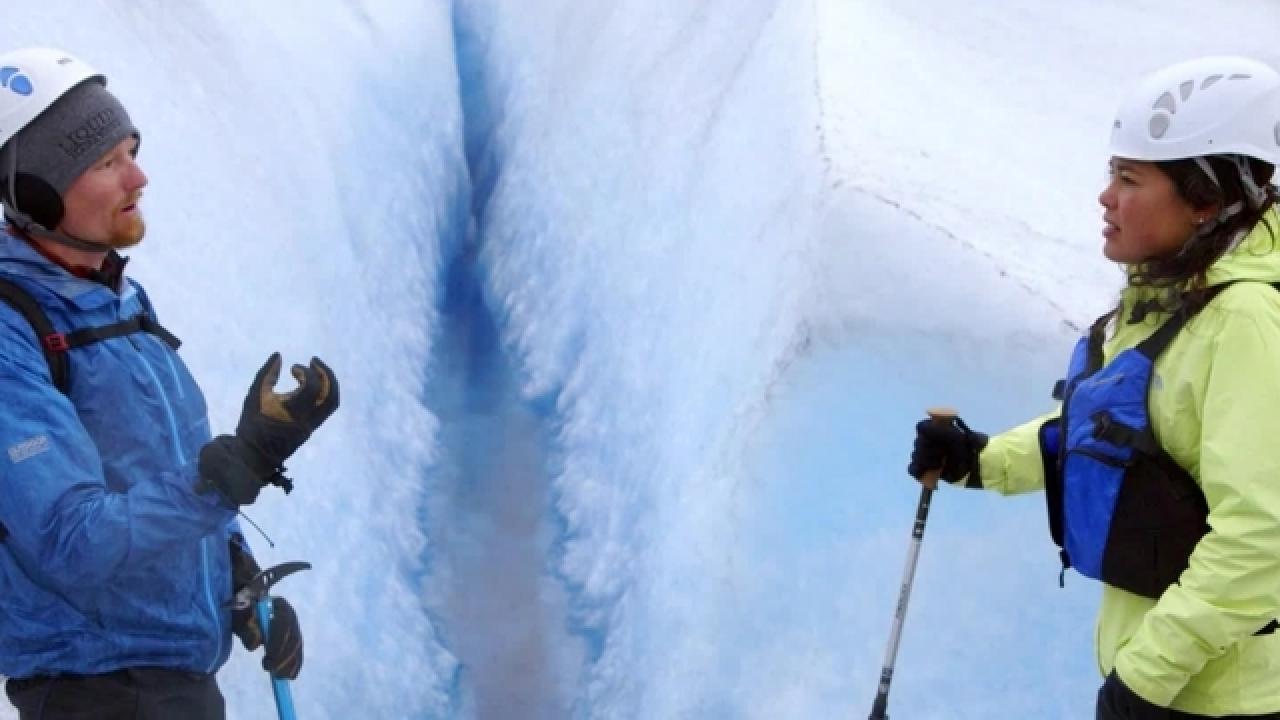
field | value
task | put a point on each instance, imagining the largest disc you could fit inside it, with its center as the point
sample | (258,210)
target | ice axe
(942,416)
(255,594)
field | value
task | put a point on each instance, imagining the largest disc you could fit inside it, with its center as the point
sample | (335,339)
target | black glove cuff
(977,441)
(230,467)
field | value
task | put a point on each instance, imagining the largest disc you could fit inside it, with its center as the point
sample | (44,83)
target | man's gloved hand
(1117,702)
(284,644)
(950,446)
(272,427)
(283,657)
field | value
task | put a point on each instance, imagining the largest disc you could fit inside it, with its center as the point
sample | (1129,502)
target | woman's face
(1145,216)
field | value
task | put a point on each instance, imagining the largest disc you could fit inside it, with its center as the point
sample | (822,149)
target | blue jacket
(112,560)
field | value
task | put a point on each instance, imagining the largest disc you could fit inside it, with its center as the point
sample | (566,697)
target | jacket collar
(19,258)
(1256,257)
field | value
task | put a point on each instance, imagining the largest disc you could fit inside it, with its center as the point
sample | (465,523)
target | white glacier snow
(634,304)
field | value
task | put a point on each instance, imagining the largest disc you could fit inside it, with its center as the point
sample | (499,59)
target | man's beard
(127,237)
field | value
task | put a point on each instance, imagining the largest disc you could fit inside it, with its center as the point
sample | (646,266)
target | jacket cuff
(1012,463)
(1157,686)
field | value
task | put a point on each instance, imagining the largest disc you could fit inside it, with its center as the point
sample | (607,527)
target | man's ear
(37,199)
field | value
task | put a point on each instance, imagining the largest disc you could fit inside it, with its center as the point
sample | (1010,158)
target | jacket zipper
(204,554)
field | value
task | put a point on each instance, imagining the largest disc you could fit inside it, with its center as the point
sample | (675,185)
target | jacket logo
(28,449)
(12,79)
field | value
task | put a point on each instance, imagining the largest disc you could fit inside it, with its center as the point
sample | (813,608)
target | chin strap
(23,221)
(30,227)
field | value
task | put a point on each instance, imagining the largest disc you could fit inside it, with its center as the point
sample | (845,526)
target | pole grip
(940,416)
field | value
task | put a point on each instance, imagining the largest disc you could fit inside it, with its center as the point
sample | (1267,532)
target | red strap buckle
(57,342)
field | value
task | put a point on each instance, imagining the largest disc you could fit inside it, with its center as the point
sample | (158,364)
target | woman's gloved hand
(283,657)
(950,446)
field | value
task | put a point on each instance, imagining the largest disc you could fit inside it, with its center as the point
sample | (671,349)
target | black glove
(1117,702)
(283,656)
(272,427)
(224,466)
(951,446)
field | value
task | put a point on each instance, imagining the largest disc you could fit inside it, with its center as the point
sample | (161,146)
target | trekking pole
(256,594)
(942,416)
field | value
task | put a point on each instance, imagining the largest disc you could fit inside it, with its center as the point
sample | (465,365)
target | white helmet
(33,79)
(1209,106)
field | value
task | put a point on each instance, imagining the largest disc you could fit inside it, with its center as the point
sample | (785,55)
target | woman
(1162,465)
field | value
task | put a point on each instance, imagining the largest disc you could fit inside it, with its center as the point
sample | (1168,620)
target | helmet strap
(1255,198)
(1255,195)
(1204,165)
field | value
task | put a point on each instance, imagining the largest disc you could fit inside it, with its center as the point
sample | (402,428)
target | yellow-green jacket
(1215,407)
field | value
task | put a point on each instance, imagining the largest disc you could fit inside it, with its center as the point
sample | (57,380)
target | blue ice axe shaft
(255,593)
(879,708)
(280,686)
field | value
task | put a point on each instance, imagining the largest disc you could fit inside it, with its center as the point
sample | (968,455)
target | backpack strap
(142,322)
(1156,343)
(1144,440)
(1097,338)
(153,325)
(55,344)
(52,343)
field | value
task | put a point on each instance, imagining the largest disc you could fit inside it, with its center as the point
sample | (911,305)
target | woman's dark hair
(1183,275)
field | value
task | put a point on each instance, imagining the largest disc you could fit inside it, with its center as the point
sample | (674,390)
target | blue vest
(1120,508)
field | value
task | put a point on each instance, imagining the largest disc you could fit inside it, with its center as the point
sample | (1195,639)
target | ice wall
(634,304)
(646,241)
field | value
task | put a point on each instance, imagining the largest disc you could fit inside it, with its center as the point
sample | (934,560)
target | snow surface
(634,305)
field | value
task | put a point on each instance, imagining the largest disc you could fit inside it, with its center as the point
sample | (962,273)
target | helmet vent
(1278,134)
(1186,89)
(1159,125)
(1209,81)
(1165,106)
(1241,76)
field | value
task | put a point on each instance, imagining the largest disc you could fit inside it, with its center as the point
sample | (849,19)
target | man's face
(101,206)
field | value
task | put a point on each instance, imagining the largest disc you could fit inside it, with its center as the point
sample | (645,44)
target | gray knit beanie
(72,134)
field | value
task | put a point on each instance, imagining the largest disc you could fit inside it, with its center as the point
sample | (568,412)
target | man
(119,552)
